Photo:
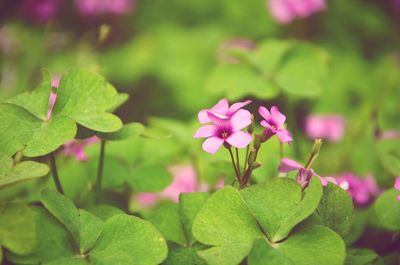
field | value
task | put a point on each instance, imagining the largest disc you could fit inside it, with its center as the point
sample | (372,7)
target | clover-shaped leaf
(82,97)
(387,210)
(25,170)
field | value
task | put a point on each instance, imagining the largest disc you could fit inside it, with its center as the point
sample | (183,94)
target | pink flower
(101,7)
(184,180)
(76,148)
(225,130)
(284,11)
(388,135)
(274,124)
(397,186)
(303,176)
(362,191)
(222,109)
(224,51)
(40,11)
(55,82)
(329,127)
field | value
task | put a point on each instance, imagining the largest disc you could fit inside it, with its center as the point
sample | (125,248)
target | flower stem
(54,173)
(234,164)
(237,162)
(100,170)
(246,158)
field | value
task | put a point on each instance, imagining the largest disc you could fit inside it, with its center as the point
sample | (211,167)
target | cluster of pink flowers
(224,124)
(329,127)
(40,11)
(102,7)
(284,11)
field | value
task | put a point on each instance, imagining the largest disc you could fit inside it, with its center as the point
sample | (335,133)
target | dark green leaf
(23,171)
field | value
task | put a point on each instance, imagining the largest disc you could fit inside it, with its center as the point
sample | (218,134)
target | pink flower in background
(76,148)
(224,50)
(362,191)
(388,135)
(284,11)
(274,124)
(329,127)
(55,82)
(101,7)
(397,186)
(223,110)
(225,130)
(40,11)
(184,180)
(303,176)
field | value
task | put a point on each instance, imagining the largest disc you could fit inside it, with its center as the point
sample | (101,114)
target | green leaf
(85,97)
(17,228)
(23,171)
(104,212)
(53,241)
(166,218)
(278,204)
(149,178)
(37,101)
(83,226)
(189,205)
(16,128)
(270,53)
(360,257)
(67,261)
(178,255)
(127,131)
(336,209)
(312,245)
(303,72)
(238,80)
(387,210)
(389,155)
(228,226)
(129,240)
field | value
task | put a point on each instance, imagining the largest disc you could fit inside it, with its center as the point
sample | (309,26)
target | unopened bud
(256,165)
(252,157)
(257,141)
(316,147)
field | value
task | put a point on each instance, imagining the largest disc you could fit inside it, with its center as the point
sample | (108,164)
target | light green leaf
(17,228)
(166,218)
(23,171)
(127,131)
(389,155)
(278,204)
(360,257)
(178,255)
(104,212)
(67,261)
(270,53)
(312,245)
(53,240)
(387,210)
(336,209)
(228,226)
(129,240)
(189,205)
(37,101)
(149,178)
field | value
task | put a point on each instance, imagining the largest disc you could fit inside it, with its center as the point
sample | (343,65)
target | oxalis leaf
(387,210)
(22,171)
(336,209)
(82,97)
(230,221)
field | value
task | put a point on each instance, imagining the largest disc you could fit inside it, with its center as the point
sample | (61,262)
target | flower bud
(252,157)
(256,165)
(316,147)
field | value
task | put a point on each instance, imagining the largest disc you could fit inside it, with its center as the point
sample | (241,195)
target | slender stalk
(234,165)
(246,158)
(281,149)
(54,173)
(100,170)
(237,162)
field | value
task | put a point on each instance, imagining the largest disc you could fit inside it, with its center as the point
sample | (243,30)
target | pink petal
(235,107)
(217,118)
(184,180)
(325,180)
(264,113)
(265,124)
(284,136)
(212,145)
(397,183)
(221,107)
(205,131)
(145,199)
(241,119)
(277,116)
(203,116)
(288,165)
(398,198)
(239,139)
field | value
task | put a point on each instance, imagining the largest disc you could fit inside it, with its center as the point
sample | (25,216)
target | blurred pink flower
(397,186)
(223,110)
(284,11)
(225,130)
(303,176)
(224,51)
(274,122)
(388,135)
(40,11)
(55,82)
(362,191)
(184,180)
(328,127)
(101,7)
(76,148)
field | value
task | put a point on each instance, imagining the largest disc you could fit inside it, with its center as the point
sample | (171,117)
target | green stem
(234,165)
(100,170)
(54,173)
(237,161)
(246,158)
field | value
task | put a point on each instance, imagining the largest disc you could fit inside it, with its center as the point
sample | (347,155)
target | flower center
(224,135)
